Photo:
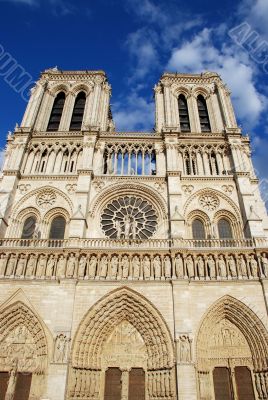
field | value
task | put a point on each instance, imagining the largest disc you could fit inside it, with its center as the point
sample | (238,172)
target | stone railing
(106,244)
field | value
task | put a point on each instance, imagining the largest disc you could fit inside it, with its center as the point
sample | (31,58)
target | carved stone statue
(21,266)
(232,266)
(127,226)
(167,267)
(3,261)
(61,349)
(146,263)
(185,349)
(103,267)
(114,267)
(253,266)
(31,266)
(136,267)
(11,266)
(50,266)
(92,267)
(179,266)
(190,267)
(242,267)
(71,266)
(264,261)
(41,266)
(61,267)
(125,267)
(118,229)
(10,393)
(211,267)
(134,226)
(201,267)
(157,267)
(222,267)
(82,267)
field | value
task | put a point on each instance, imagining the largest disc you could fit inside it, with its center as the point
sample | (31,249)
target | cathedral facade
(133,265)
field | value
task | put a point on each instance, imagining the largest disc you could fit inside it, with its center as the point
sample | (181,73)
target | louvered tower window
(225,230)
(184,114)
(28,228)
(78,112)
(203,114)
(198,230)
(57,229)
(56,113)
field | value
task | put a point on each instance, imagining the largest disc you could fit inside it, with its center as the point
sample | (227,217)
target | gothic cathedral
(133,265)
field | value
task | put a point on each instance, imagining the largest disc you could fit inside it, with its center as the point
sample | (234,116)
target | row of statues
(161,384)
(148,267)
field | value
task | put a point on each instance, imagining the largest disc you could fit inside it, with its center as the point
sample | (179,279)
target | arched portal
(232,353)
(23,353)
(123,338)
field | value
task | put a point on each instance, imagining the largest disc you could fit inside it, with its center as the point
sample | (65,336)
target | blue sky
(134,41)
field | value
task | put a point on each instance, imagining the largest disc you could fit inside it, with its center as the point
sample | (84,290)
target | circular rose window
(129,217)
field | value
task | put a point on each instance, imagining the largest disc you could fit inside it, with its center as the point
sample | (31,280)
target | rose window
(129,217)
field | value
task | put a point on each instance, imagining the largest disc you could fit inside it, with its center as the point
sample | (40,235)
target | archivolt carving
(122,305)
(22,336)
(246,324)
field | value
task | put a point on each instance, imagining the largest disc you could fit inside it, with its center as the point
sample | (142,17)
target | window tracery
(129,217)
(129,159)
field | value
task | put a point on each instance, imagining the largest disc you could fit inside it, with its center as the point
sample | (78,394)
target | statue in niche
(11,265)
(264,261)
(146,263)
(185,349)
(232,266)
(41,267)
(125,267)
(103,267)
(136,267)
(134,227)
(21,266)
(157,267)
(61,349)
(3,261)
(13,373)
(31,266)
(92,267)
(179,266)
(242,267)
(61,267)
(253,266)
(110,167)
(114,267)
(71,266)
(211,267)
(118,228)
(222,267)
(190,267)
(167,267)
(82,267)
(50,266)
(201,267)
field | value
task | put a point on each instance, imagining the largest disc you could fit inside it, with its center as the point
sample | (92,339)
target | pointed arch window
(57,228)
(78,112)
(184,114)
(198,229)
(203,114)
(29,227)
(224,228)
(56,113)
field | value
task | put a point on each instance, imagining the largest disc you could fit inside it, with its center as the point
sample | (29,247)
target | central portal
(124,360)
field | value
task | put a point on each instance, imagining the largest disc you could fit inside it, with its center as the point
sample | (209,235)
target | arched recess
(121,306)
(25,344)
(231,336)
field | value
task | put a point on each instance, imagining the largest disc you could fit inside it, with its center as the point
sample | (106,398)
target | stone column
(125,383)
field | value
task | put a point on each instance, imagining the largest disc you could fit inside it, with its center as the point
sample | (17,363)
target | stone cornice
(48,177)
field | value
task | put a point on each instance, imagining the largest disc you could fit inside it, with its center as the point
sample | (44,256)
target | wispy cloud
(57,7)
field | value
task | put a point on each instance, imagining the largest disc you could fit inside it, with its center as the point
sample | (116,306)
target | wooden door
(244,384)
(113,384)
(222,384)
(23,386)
(4,377)
(136,389)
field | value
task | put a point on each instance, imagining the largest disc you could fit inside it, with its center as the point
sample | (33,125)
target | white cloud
(201,54)
(58,7)
(256,13)
(135,113)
